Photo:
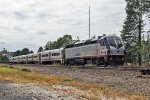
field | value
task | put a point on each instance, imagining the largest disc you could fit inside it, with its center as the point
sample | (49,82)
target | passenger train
(105,50)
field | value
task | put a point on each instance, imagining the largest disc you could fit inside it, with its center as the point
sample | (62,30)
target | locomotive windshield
(115,42)
(119,42)
(112,42)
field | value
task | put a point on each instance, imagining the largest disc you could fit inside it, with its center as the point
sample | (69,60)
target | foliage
(3,59)
(24,51)
(31,52)
(146,51)
(40,49)
(17,53)
(132,28)
(4,50)
(61,42)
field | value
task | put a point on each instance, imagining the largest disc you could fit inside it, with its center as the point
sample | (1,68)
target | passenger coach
(52,56)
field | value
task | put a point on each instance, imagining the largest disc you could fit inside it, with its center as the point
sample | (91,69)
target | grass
(84,89)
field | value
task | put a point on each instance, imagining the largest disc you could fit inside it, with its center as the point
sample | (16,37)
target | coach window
(46,55)
(35,56)
(55,54)
(30,56)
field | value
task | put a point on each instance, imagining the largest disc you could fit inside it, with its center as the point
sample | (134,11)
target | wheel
(105,63)
(113,63)
(97,62)
(83,64)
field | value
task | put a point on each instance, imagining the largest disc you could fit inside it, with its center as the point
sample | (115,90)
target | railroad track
(143,70)
(89,67)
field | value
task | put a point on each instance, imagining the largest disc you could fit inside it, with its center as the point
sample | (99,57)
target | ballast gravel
(14,91)
(130,81)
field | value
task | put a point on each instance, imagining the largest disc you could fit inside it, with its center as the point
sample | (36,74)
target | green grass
(4,70)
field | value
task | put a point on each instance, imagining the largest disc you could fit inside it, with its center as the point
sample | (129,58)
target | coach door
(39,58)
(49,55)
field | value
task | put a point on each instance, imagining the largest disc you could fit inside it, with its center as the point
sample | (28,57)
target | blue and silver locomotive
(105,50)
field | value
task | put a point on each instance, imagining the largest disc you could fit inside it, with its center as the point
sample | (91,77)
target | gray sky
(31,23)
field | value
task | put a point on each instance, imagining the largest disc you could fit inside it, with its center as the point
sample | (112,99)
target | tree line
(24,51)
(59,43)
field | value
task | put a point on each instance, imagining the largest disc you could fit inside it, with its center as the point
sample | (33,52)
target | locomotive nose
(117,51)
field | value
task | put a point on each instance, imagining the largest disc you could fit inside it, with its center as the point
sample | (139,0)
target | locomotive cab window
(119,42)
(102,43)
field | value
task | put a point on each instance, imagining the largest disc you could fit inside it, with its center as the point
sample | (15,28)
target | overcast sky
(31,23)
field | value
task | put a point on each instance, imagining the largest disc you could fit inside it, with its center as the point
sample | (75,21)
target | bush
(3,59)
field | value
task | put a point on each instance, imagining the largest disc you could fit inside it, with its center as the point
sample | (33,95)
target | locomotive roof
(30,54)
(52,50)
(89,41)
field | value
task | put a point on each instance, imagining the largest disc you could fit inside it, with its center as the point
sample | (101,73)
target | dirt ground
(132,82)
(15,91)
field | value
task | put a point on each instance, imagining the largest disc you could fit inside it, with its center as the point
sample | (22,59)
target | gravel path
(13,91)
(130,81)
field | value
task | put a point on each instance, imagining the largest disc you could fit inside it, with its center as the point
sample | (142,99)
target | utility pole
(89,22)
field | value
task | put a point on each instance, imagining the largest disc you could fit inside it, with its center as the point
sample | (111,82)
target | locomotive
(105,50)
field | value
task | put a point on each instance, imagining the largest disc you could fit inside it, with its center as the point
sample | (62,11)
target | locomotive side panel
(84,53)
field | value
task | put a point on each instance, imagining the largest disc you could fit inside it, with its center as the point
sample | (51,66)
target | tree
(24,51)
(133,26)
(17,53)
(40,49)
(3,59)
(4,50)
(61,42)
(31,52)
